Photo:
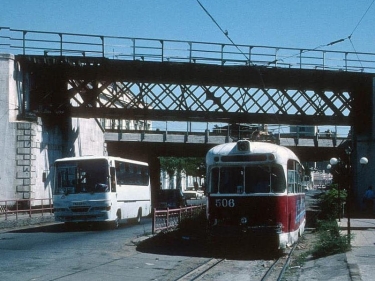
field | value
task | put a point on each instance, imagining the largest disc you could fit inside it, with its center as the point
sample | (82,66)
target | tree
(176,166)
(169,164)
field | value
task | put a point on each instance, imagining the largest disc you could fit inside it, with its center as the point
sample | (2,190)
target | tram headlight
(279,227)
(244,220)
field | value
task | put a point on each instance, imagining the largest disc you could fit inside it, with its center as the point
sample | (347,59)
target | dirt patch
(301,254)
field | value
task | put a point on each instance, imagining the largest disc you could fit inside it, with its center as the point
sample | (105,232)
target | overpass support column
(154,164)
(363,136)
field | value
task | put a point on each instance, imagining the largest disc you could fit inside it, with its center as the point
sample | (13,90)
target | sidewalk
(361,259)
(24,220)
(356,265)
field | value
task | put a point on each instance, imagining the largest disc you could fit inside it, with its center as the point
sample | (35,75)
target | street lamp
(363,161)
(347,168)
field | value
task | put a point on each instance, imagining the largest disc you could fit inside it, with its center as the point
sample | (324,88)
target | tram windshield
(83,176)
(248,179)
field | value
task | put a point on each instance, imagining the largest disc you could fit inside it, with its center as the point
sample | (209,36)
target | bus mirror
(44,176)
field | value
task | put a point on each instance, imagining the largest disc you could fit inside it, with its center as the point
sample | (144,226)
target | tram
(254,190)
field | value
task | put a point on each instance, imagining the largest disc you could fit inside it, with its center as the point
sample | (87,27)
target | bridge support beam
(363,141)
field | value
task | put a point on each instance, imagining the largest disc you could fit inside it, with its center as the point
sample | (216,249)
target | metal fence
(30,42)
(15,209)
(168,219)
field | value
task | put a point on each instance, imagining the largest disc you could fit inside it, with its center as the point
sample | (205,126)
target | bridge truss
(118,89)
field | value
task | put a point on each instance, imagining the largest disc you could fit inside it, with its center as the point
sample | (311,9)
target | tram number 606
(225,203)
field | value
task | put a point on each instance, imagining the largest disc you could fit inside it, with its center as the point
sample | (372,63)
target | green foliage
(189,165)
(192,166)
(331,201)
(330,240)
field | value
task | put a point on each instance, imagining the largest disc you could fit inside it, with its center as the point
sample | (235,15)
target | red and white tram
(254,189)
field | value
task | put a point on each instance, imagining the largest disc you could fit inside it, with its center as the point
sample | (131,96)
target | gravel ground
(300,255)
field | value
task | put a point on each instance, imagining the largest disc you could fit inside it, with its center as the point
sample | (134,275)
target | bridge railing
(29,42)
(214,129)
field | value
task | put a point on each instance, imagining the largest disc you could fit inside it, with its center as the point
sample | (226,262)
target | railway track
(223,269)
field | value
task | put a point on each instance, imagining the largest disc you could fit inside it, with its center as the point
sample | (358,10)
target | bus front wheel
(116,222)
(139,216)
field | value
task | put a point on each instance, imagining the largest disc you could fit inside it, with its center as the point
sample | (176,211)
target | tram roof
(255,148)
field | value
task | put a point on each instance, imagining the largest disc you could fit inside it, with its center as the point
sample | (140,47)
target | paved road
(53,253)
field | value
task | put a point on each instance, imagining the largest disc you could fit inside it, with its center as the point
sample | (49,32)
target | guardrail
(14,209)
(30,42)
(170,218)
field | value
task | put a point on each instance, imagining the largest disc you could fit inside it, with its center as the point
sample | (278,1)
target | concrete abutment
(29,148)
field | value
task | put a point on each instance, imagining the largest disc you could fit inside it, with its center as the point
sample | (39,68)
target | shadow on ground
(178,243)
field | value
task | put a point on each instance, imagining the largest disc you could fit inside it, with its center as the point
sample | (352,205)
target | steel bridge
(95,76)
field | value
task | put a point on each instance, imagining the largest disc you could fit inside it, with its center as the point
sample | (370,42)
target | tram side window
(299,177)
(291,176)
(291,181)
(294,177)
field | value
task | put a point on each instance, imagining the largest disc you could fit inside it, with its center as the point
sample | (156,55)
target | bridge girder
(144,150)
(117,89)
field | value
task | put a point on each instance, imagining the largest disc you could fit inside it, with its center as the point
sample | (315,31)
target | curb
(354,272)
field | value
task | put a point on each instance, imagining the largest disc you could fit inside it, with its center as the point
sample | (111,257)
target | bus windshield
(84,176)
(248,179)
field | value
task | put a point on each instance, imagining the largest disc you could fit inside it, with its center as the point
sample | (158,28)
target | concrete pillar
(29,148)
(154,164)
(363,134)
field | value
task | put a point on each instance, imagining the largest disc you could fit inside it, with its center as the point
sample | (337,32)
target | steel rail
(197,272)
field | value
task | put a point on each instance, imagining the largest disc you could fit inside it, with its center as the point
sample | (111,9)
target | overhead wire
(345,38)
(225,32)
(359,22)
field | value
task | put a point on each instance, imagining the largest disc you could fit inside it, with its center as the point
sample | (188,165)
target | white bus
(101,189)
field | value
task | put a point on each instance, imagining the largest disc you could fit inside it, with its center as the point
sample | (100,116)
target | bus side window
(112,171)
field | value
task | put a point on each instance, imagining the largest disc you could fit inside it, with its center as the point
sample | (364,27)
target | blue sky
(287,23)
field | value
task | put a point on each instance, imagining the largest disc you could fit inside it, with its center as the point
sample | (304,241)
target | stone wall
(29,149)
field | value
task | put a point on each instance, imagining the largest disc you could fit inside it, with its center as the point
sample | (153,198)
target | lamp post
(348,170)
